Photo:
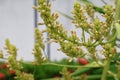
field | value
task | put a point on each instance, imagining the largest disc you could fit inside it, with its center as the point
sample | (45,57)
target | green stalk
(118,74)
(35,69)
(105,70)
(72,66)
(117,15)
(80,71)
(113,75)
(83,35)
(89,77)
(117,18)
(94,77)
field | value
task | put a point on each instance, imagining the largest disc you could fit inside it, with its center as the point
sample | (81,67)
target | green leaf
(96,8)
(117,26)
(117,15)
(65,15)
(80,71)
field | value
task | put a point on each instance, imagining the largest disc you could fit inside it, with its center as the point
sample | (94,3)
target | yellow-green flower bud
(1,54)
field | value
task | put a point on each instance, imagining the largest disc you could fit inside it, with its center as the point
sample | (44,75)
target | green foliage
(43,71)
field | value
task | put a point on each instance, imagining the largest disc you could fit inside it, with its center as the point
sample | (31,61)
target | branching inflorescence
(14,64)
(99,31)
(102,33)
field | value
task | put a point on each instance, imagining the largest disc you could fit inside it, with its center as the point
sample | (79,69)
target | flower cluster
(1,54)
(99,31)
(66,74)
(14,64)
(80,20)
(39,48)
(56,31)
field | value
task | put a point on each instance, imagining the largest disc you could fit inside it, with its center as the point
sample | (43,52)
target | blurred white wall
(17,24)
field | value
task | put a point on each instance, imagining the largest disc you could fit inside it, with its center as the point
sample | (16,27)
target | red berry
(85,74)
(4,65)
(82,61)
(2,75)
(70,71)
(55,76)
(12,72)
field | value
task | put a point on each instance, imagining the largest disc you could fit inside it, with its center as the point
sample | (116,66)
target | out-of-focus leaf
(67,16)
(85,1)
(117,26)
(96,8)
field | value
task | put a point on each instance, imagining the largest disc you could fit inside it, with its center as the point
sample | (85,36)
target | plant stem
(71,66)
(113,74)
(80,71)
(105,70)
(91,77)
(104,2)
(117,15)
(83,35)
(118,74)
(35,69)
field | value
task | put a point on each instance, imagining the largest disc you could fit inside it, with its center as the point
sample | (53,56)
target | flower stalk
(105,70)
